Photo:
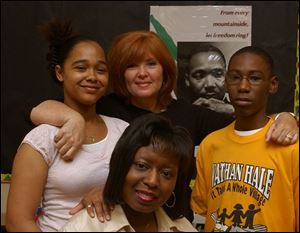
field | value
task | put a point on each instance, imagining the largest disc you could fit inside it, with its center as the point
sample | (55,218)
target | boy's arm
(296,198)
(72,132)
(296,184)
(199,198)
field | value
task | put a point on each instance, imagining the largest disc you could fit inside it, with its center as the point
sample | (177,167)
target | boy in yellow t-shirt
(244,183)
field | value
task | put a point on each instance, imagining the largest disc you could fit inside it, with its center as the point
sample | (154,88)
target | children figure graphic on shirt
(250,216)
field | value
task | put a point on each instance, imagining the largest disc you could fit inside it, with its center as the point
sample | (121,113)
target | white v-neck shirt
(67,182)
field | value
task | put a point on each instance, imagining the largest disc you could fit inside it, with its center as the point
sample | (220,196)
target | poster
(201,40)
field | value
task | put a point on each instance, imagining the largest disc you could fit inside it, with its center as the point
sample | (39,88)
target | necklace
(92,139)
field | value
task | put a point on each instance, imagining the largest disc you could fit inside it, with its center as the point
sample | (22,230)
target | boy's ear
(58,72)
(273,85)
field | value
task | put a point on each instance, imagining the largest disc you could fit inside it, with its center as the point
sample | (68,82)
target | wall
(4,194)
(24,78)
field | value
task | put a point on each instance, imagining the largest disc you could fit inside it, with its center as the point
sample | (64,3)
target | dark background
(25,80)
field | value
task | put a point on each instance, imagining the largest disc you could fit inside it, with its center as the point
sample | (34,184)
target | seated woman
(147,175)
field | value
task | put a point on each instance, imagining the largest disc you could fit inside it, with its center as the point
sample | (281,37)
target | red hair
(133,47)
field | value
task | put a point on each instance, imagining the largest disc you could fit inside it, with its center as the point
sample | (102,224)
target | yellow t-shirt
(244,183)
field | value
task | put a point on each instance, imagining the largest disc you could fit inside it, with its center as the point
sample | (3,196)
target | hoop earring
(174,201)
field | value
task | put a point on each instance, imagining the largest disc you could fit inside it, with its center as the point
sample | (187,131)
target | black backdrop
(24,78)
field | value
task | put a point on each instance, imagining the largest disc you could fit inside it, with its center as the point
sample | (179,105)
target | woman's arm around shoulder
(71,135)
(284,130)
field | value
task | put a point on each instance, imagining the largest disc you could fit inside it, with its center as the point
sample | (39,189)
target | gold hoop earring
(174,201)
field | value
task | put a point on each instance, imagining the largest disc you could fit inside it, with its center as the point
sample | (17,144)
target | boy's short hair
(258,51)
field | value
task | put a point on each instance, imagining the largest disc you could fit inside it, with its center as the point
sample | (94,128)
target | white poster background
(206,24)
